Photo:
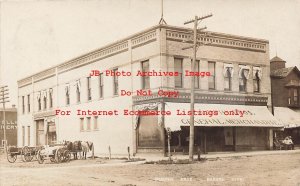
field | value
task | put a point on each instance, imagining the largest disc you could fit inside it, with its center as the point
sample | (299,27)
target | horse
(86,147)
(76,148)
(73,147)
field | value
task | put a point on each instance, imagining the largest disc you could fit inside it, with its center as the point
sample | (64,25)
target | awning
(287,116)
(219,115)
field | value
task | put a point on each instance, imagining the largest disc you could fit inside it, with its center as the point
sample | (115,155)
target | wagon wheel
(52,159)
(40,157)
(11,158)
(27,156)
(67,156)
(59,155)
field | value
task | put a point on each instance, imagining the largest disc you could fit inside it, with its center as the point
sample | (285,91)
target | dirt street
(283,169)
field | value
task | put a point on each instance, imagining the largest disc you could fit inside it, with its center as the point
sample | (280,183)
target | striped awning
(219,115)
(289,117)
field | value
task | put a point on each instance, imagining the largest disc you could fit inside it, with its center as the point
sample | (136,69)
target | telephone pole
(195,47)
(4,99)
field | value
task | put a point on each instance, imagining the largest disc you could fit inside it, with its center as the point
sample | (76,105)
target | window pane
(115,85)
(211,78)
(81,124)
(28,100)
(101,85)
(88,127)
(146,79)
(95,123)
(178,68)
(89,88)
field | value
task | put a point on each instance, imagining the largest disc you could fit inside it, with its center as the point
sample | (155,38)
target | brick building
(285,92)
(239,80)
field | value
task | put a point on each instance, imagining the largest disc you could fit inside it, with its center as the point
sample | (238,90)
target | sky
(38,34)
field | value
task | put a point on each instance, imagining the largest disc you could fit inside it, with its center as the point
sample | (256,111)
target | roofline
(293,68)
(140,33)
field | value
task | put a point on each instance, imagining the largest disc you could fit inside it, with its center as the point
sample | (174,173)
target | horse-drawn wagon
(56,153)
(26,153)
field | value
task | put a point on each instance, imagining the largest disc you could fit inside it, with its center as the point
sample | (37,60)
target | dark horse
(74,147)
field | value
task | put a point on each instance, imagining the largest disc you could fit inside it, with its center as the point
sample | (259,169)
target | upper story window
(211,78)
(257,74)
(67,89)
(45,99)
(23,104)
(96,123)
(293,96)
(39,101)
(228,74)
(89,89)
(178,68)
(145,79)
(78,86)
(115,82)
(50,98)
(197,78)
(243,77)
(101,85)
(88,126)
(81,124)
(28,102)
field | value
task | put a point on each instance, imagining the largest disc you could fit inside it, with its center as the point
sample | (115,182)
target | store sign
(10,125)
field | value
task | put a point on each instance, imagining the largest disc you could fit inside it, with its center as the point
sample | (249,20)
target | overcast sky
(36,35)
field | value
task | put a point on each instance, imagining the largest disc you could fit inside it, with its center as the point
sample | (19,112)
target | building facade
(10,127)
(55,103)
(285,95)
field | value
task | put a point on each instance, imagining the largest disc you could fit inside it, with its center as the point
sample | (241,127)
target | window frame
(28,103)
(229,79)
(101,85)
(145,79)
(212,75)
(115,83)
(89,89)
(180,73)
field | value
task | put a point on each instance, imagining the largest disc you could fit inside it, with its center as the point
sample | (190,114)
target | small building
(285,95)
(11,127)
(109,106)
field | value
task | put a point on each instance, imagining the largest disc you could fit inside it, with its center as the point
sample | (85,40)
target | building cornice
(139,39)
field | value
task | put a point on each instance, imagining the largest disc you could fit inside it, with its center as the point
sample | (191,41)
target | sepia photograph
(149,92)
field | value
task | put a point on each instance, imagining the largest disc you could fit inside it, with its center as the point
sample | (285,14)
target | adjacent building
(232,95)
(285,95)
(10,126)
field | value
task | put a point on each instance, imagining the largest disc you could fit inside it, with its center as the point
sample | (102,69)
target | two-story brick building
(285,92)
(238,82)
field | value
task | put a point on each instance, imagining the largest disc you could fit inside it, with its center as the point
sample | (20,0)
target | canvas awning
(287,116)
(219,115)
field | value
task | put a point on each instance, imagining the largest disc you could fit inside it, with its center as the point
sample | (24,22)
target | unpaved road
(283,169)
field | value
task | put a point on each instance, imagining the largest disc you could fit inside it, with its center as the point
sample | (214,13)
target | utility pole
(4,99)
(195,47)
